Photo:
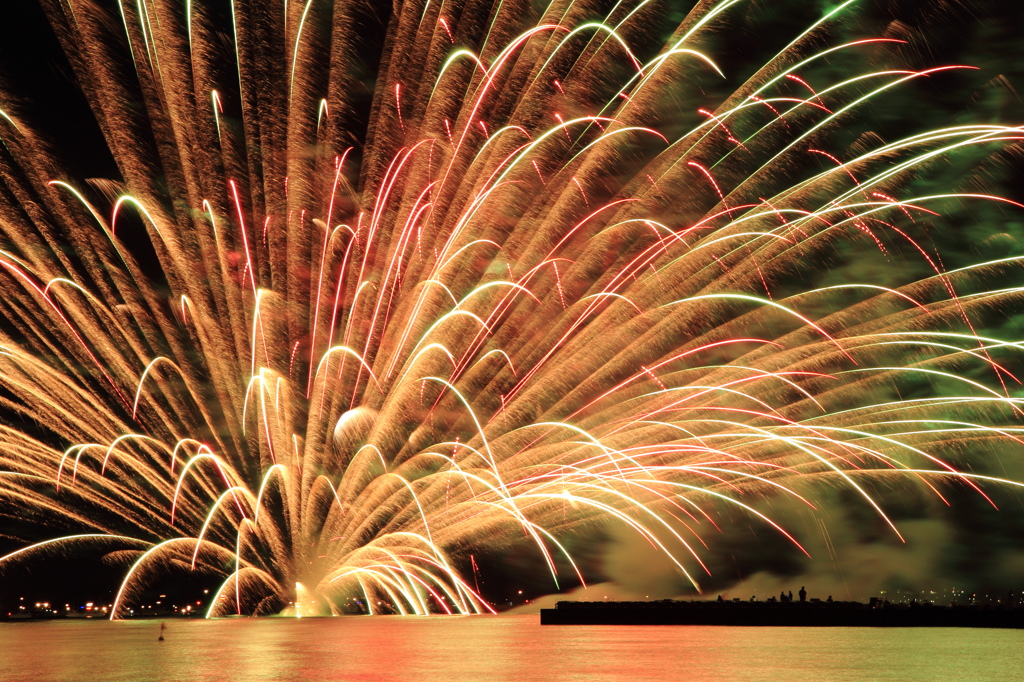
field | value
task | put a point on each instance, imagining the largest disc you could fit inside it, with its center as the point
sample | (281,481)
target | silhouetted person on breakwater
(803,594)
(829,600)
(790,597)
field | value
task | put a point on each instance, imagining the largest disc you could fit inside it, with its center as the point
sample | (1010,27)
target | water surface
(494,648)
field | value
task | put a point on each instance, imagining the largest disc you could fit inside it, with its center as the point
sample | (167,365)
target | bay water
(493,648)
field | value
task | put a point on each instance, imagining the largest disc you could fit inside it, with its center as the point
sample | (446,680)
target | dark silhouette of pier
(814,613)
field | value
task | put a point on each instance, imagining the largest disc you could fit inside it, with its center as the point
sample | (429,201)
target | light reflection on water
(494,648)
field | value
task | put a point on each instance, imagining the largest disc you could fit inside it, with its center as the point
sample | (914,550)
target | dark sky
(985,34)
(981,33)
(34,70)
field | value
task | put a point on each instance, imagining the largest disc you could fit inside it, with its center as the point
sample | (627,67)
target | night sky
(962,543)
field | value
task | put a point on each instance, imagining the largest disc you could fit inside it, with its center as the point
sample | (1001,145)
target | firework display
(379,289)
